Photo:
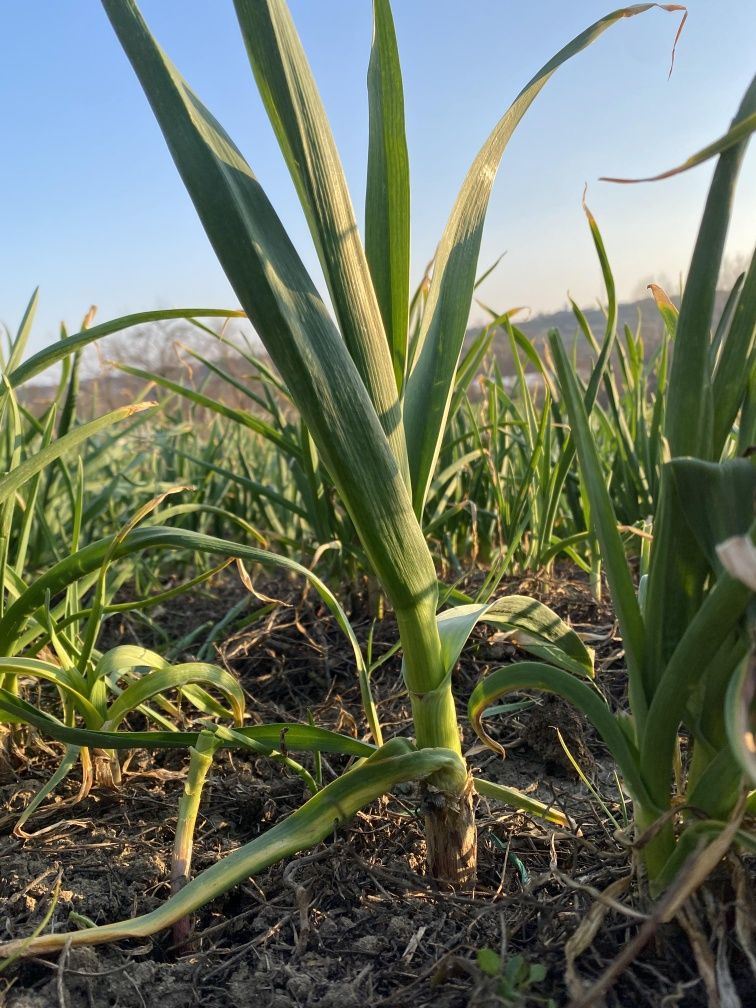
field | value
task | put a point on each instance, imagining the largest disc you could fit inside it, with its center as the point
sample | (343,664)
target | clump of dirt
(353,922)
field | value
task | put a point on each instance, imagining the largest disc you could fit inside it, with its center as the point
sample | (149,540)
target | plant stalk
(450,830)
(201,759)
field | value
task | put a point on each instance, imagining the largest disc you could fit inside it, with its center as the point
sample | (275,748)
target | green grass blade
(525,803)
(732,371)
(605,522)
(747,431)
(68,412)
(23,472)
(30,503)
(240,384)
(63,349)
(387,199)
(720,612)
(220,734)
(22,337)
(261,489)
(69,761)
(91,558)
(725,318)
(296,737)
(689,409)
(241,417)
(156,683)
(598,374)
(70,687)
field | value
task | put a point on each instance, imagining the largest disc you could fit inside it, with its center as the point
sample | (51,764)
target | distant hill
(643,312)
(107,387)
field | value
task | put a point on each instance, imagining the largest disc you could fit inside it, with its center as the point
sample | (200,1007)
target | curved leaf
(331,807)
(23,472)
(53,674)
(64,348)
(120,659)
(739,131)
(532,625)
(154,683)
(296,737)
(536,676)
(91,557)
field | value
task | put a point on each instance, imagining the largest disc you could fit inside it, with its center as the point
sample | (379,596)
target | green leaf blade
(447,308)
(602,512)
(291,319)
(296,112)
(387,201)
(333,806)
(690,408)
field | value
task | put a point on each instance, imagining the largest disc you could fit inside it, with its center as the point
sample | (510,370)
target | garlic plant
(373,393)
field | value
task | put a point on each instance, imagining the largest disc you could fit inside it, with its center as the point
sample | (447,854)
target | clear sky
(92,209)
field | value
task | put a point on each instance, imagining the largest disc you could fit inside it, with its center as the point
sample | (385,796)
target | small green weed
(515,976)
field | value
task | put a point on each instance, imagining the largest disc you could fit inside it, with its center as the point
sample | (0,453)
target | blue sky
(92,209)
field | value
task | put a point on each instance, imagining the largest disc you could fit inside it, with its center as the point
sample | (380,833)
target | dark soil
(353,923)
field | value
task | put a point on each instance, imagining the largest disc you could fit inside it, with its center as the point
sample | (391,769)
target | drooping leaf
(740,130)
(531,625)
(585,697)
(295,737)
(160,680)
(91,557)
(64,348)
(331,807)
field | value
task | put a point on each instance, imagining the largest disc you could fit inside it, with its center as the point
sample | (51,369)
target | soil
(353,923)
